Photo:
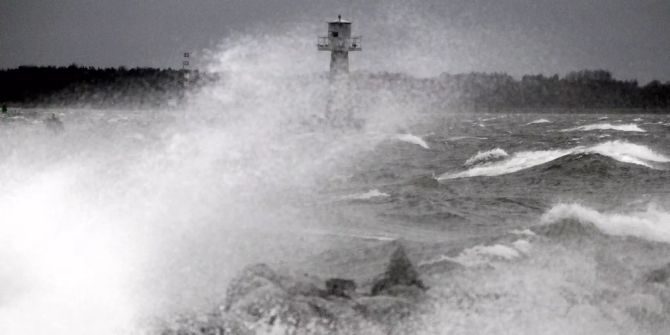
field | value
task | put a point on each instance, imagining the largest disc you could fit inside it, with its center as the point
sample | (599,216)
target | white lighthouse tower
(339,42)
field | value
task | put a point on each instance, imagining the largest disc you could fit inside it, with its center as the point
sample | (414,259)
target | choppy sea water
(521,223)
(556,220)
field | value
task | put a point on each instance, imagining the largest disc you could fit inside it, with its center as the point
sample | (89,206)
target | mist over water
(131,217)
(134,214)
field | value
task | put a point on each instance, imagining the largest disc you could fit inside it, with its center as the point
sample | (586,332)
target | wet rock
(385,310)
(399,272)
(251,278)
(261,300)
(661,275)
(345,288)
(195,325)
(266,301)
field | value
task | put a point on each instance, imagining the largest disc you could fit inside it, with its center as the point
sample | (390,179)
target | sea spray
(148,213)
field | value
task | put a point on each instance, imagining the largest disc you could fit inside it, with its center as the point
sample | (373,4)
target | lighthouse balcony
(326,43)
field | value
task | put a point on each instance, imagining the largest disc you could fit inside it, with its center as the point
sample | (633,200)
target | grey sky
(629,37)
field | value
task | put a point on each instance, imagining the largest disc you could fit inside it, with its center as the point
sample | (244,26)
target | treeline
(89,86)
(577,91)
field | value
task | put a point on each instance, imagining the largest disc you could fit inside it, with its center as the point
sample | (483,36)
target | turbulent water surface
(126,216)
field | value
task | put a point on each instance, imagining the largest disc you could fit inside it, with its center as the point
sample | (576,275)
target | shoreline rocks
(261,300)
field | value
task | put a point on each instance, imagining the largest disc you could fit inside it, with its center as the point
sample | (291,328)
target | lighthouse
(339,42)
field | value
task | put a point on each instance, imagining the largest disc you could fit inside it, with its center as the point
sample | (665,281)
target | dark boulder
(399,272)
(261,300)
(338,287)
(659,275)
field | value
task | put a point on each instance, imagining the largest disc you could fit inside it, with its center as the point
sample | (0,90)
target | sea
(519,223)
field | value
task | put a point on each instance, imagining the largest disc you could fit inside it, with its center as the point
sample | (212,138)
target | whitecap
(409,138)
(522,245)
(619,150)
(458,138)
(538,121)
(630,127)
(486,156)
(484,254)
(526,232)
(650,224)
(374,193)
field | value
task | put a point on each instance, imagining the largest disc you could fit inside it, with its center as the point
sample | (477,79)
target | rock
(385,309)
(266,302)
(410,293)
(251,278)
(400,271)
(659,275)
(345,288)
(261,300)
(200,325)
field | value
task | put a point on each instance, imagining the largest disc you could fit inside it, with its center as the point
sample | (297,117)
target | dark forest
(28,86)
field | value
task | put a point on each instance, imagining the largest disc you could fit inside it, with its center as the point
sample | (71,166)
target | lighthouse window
(335,34)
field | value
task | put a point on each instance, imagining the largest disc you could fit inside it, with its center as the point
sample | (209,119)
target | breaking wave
(653,224)
(486,157)
(608,126)
(621,151)
(538,121)
(481,255)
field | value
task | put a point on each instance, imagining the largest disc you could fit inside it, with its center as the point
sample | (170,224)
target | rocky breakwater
(261,300)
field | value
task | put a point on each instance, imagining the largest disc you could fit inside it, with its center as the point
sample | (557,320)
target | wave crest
(486,156)
(608,126)
(621,151)
(651,224)
(539,121)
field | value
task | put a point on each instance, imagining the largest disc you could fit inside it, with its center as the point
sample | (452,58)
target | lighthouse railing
(327,43)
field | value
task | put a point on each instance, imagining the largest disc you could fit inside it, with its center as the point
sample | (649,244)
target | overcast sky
(629,37)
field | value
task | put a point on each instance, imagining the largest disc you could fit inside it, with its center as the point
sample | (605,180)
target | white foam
(631,127)
(482,255)
(619,150)
(458,138)
(409,138)
(375,193)
(486,156)
(526,232)
(522,245)
(653,224)
(538,121)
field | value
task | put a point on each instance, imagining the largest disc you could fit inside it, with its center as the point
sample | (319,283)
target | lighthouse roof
(339,20)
